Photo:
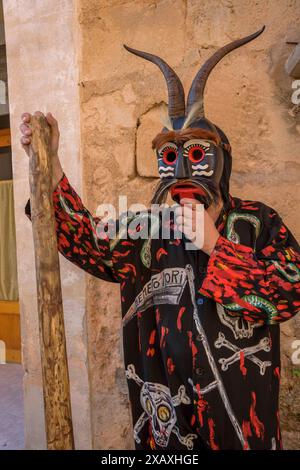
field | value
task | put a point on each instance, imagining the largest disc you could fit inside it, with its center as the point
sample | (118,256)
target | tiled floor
(11,407)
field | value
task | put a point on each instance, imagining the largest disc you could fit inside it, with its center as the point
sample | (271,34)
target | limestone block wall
(248,96)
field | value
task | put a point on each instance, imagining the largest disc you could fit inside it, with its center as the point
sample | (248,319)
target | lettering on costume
(165,287)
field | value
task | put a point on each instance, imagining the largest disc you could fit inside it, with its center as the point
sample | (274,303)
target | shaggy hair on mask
(181,136)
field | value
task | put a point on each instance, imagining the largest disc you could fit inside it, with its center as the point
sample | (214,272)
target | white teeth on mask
(166,168)
(205,173)
(200,167)
(164,175)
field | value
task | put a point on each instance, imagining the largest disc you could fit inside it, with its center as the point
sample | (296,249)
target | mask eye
(169,155)
(195,153)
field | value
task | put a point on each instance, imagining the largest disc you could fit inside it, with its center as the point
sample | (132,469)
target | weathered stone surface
(149,125)
(292,65)
(290,385)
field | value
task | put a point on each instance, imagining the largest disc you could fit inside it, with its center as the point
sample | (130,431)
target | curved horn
(197,88)
(175,88)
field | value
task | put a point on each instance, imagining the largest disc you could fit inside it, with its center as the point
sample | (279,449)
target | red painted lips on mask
(188,190)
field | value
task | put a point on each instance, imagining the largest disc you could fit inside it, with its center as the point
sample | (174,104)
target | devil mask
(193,154)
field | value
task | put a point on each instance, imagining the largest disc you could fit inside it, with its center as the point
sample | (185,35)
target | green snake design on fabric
(145,253)
(256,301)
(146,248)
(79,214)
(290,277)
(231,220)
(234,237)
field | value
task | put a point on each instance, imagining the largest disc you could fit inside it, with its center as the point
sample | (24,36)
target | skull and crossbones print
(159,409)
(241,330)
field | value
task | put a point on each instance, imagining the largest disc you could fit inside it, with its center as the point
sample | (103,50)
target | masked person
(200,327)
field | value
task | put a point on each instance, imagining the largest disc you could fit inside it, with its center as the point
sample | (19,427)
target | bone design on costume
(159,409)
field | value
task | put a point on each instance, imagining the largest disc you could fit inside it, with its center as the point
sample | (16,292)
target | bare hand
(187,222)
(54,143)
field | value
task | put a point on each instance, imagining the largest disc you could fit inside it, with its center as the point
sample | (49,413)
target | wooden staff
(56,387)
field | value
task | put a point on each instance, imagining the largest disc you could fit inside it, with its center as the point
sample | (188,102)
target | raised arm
(261,285)
(76,230)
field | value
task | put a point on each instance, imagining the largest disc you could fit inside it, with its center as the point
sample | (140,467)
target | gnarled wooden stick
(56,387)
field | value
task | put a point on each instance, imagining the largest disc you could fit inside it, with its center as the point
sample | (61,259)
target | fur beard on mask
(161,191)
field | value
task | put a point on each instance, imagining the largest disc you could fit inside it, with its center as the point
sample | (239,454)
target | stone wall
(248,95)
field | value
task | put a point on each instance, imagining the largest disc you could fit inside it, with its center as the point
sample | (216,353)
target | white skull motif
(159,409)
(157,403)
(239,326)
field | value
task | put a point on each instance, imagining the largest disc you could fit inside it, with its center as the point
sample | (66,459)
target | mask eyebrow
(205,143)
(170,144)
(181,136)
